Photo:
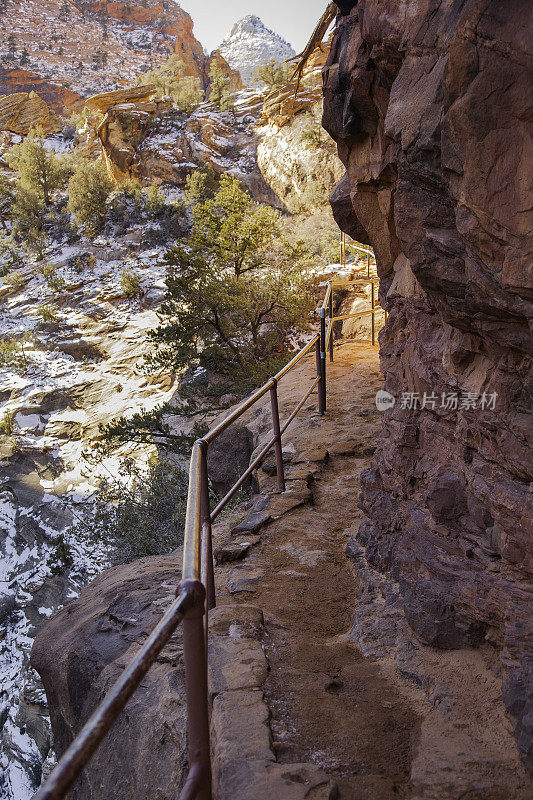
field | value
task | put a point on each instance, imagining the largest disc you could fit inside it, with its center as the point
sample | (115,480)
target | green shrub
(39,171)
(275,74)
(170,80)
(88,190)
(313,133)
(12,354)
(7,424)
(155,202)
(201,185)
(15,280)
(219,91)
(143,513)
(47,313)
(130,284)
(10,254)
(52,278)
(61,557)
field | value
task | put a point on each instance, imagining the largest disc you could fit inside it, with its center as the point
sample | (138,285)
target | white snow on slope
(250,44)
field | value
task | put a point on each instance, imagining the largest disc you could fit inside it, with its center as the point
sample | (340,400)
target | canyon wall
(430,105)
(65,51)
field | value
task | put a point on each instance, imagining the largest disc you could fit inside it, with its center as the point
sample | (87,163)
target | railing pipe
(330,285)
(322,384)
(300,404)
(373,315)
(192,549)
(292,363)
(277,434)
(205,515)
(239,411)
(236,486)
(195,657)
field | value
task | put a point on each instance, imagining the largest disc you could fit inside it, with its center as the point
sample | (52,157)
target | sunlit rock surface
(427,103)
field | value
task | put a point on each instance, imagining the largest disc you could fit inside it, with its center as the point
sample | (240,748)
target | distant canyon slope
(68,50)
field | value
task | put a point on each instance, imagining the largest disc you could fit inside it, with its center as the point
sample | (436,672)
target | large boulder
(429,107)
(82,651)
(229,457)
(21,112)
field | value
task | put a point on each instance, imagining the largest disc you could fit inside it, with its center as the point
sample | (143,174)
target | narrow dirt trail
(329,705)
(394,719)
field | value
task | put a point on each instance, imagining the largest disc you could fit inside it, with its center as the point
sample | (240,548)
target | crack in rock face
(427,109)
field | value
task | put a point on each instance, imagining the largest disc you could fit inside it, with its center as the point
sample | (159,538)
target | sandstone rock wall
(302,169)
(60,99)
(430,104)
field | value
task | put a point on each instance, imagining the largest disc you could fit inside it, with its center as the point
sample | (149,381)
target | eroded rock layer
(429,103)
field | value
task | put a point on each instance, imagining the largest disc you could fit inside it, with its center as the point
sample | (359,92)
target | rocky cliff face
(428,104)
(250,44)
(297,159)
(92,46)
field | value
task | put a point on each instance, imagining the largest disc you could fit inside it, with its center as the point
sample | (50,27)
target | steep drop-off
(428,102)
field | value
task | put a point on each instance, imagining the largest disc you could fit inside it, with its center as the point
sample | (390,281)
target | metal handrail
(196,592)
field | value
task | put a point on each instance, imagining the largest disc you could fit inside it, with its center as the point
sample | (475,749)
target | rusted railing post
(322,373)
(198,783)
(373,316)
(277,433)
(205,521)
(319,376)
(330,287)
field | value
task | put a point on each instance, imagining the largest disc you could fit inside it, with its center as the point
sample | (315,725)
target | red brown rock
(430,105)
(20,112)
(60,99)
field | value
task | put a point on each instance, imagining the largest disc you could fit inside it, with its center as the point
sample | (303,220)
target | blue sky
(292,19)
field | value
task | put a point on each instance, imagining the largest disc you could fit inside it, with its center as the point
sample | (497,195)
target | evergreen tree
(201,185)
(7,198)
(25,57)
(88,189)
(274,74)
(219,93)
(39,171)
(170,80)
(235,291)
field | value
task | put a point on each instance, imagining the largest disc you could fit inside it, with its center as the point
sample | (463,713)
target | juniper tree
(170,80)
(201,184)
(219,92)
(235,291)
(88,190)
(38,171)
(274,74)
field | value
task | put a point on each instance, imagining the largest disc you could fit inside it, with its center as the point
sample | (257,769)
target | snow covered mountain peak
(250,44)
